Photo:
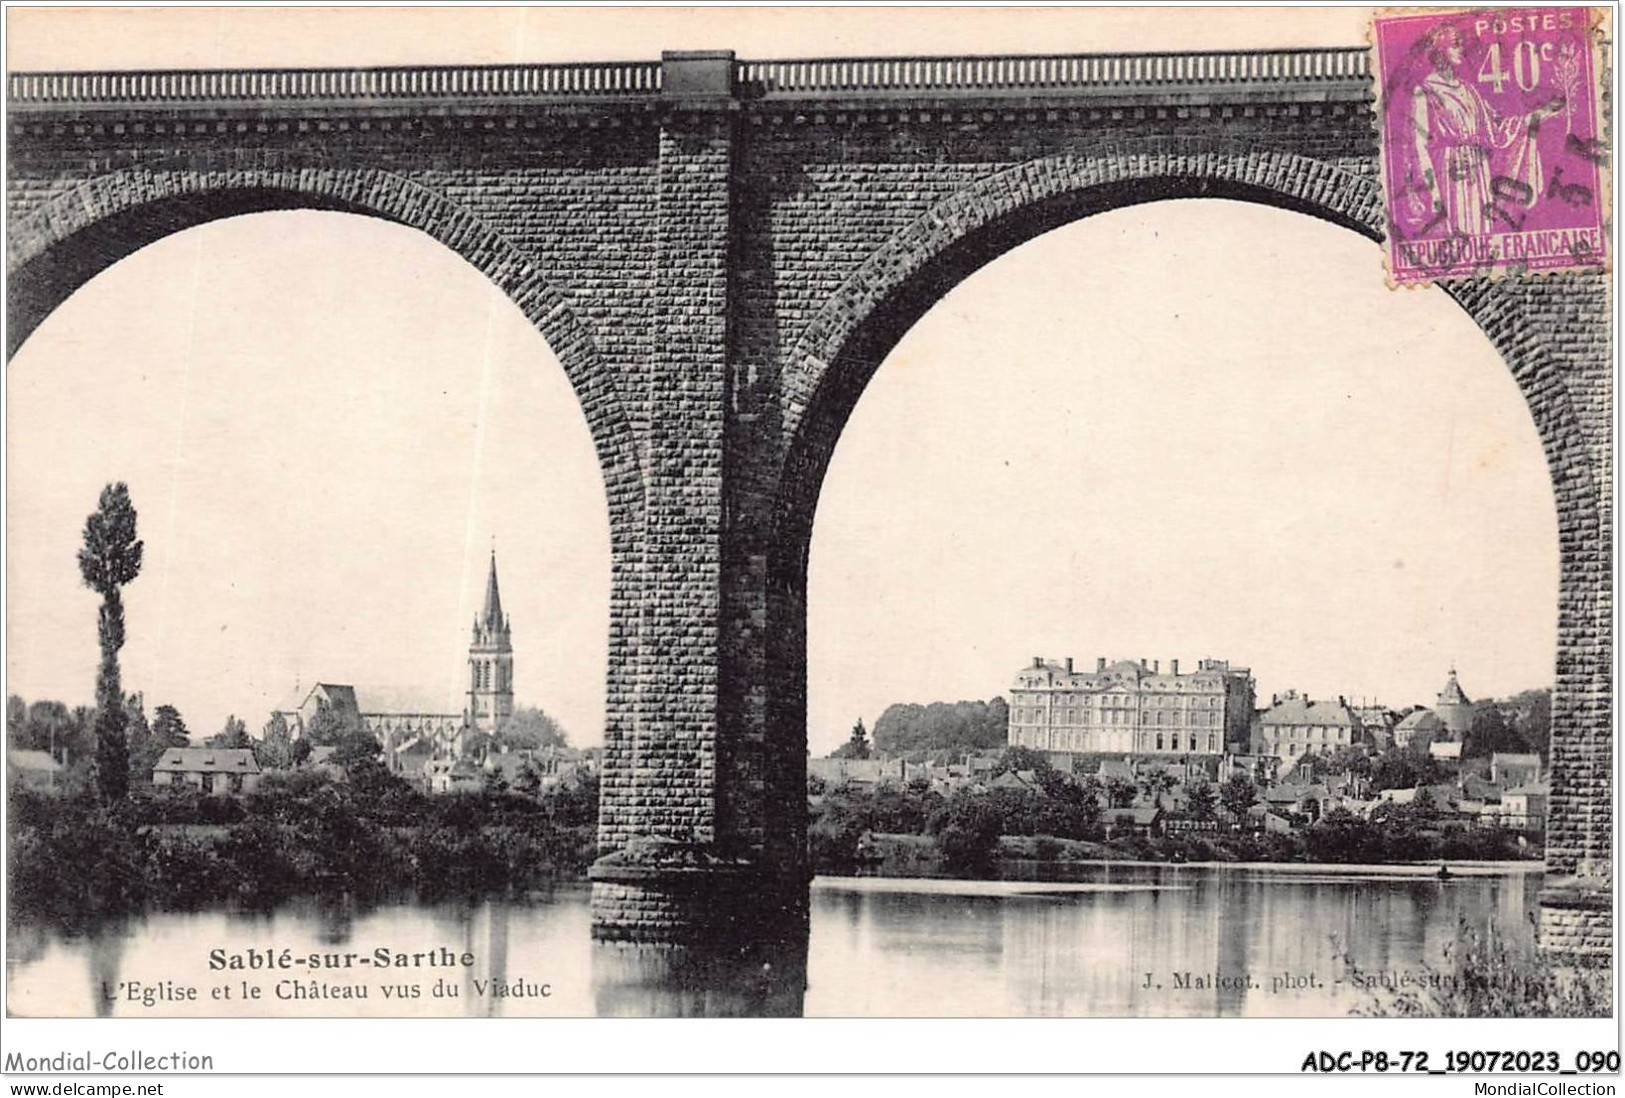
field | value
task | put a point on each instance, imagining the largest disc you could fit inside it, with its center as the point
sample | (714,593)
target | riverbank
(910,855)
(74,861)
(1286,871)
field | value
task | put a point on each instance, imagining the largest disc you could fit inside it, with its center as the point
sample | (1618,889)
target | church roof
(491,614)
(340,696)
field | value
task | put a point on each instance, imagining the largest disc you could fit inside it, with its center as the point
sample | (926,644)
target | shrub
(1484,975)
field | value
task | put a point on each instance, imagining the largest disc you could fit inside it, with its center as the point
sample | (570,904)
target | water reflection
(760,980)
(1112,940)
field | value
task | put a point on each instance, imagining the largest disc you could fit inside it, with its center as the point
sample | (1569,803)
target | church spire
(491,616)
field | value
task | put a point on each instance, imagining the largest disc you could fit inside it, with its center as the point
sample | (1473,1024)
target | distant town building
(1421,724)
(1445,750)
(412,735)
(1130,707)
(1525,806)
(835,772)
(1378,722)
(1508,770)
(1454,709)
(208,769)
(1295,725)
(1449,721)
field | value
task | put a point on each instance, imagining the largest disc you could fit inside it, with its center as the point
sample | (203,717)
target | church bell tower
(490,661)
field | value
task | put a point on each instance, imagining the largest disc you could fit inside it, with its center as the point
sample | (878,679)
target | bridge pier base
(686,893)
(1577,917)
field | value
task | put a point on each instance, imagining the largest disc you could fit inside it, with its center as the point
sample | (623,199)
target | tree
(110,559)
(1238,795)
(1532,717)
(329,726)
(233,734)
(49,726)
(138,734)
(1021,758)
(942,729)
(1156,783)
(1491,732)
(16,721)
(967,830)
(529,728)
(1120,792)
(527,782)
(857,747)
(1404,768)
(1201,800)
(275,750)
(168,730)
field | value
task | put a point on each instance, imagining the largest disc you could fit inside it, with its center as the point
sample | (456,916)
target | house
(862,771)
(1141,821)
(1508,770)
(1122,769)
(1025,780)
(34,769)
(209,769)
(1378,722)
(452,776)
(1525,806)
(1262,818)
(1307,800)
(1258,769)
(1420,725)
(1445,750)
(1295,726)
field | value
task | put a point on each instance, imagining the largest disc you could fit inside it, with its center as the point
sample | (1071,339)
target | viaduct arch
(721,252)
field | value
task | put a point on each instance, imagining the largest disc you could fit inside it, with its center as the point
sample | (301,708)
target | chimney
(1069,665)
(1142,663)
(1342,701)
(1156,665)
(1100,663)
(1038,663)
(1174,666)
(1275,699)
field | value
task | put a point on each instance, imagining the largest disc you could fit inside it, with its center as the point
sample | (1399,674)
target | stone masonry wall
(720,280)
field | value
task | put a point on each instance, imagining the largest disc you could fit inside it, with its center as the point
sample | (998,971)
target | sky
(1184,429)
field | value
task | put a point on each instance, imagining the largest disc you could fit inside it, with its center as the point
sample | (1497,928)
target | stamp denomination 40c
(1491,142)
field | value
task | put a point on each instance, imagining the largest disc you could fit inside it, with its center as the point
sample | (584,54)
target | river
(1111,940)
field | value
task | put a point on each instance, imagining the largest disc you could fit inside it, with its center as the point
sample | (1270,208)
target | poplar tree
(110,559)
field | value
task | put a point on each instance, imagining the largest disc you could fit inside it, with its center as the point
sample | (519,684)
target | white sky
(1184,429)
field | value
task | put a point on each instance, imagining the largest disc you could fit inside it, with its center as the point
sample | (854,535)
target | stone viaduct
(721,252)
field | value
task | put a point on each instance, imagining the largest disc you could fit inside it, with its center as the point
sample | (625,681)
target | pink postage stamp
(1492,153)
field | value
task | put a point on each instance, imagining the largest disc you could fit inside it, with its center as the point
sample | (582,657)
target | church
(411,738)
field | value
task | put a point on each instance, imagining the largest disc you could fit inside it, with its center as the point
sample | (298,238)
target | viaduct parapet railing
(1056,72)
(832,78)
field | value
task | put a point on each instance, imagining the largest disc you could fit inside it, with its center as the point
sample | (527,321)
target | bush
(73,861)
(1046,849)
(1485,976)
(967,832)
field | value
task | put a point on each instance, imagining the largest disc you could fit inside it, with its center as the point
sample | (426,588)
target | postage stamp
(1492,151)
